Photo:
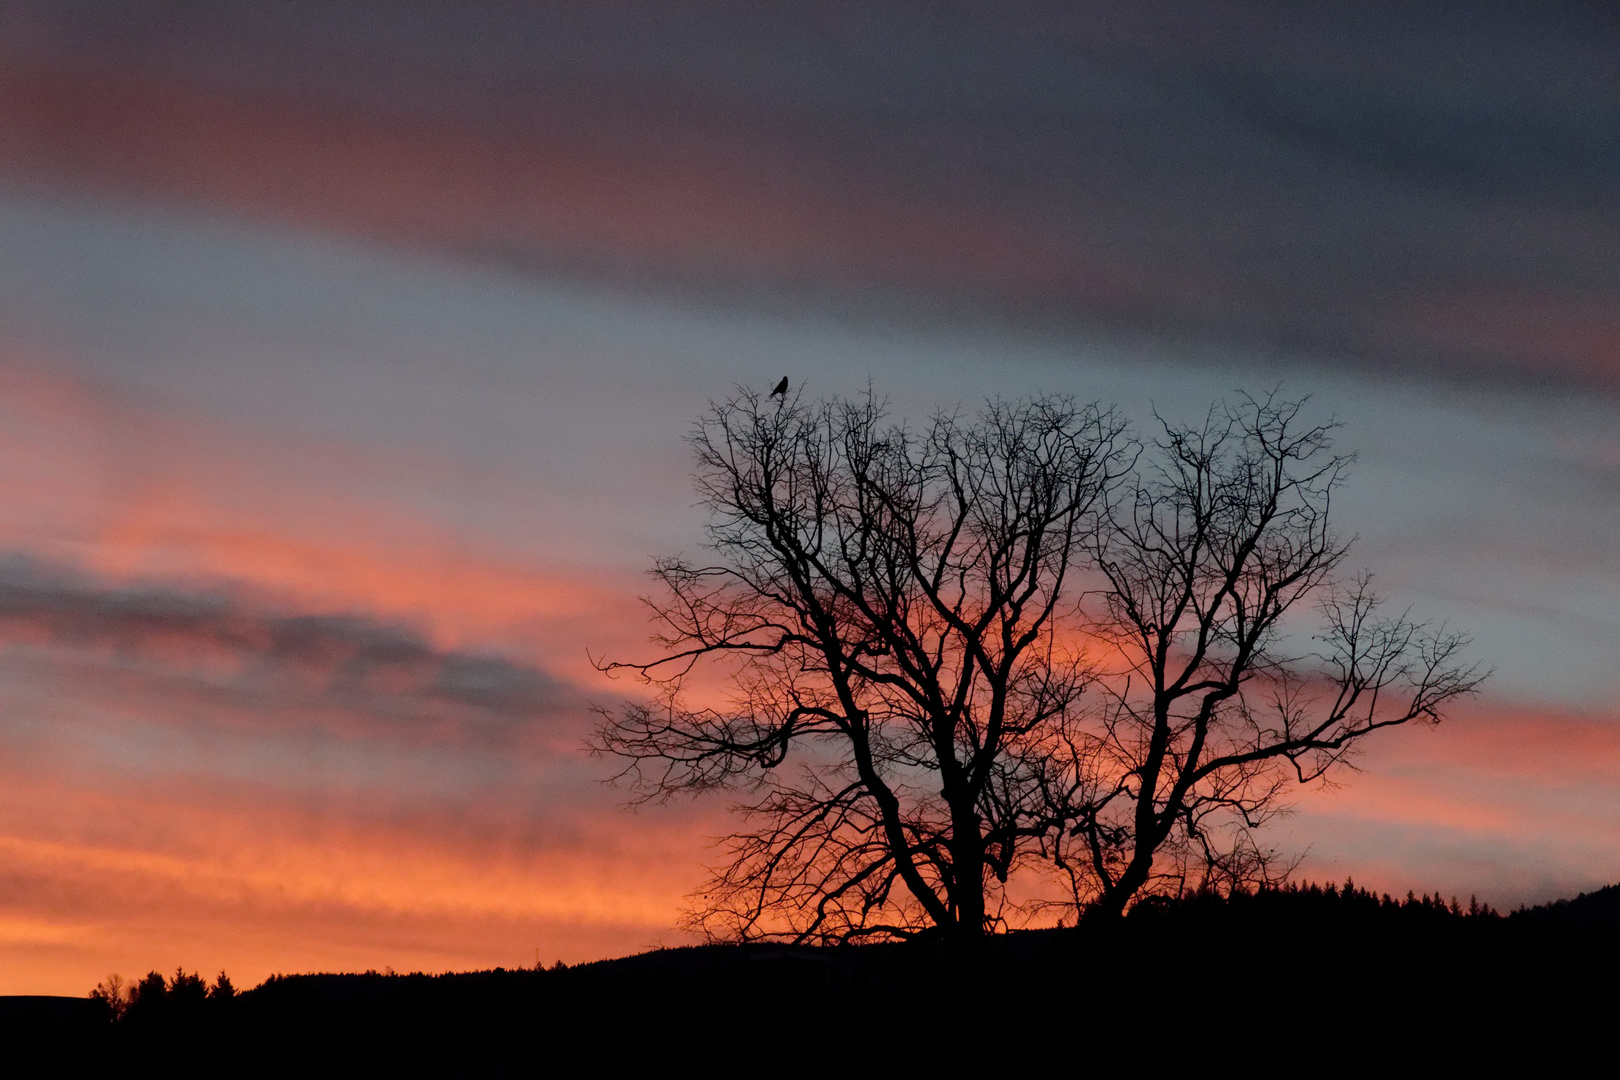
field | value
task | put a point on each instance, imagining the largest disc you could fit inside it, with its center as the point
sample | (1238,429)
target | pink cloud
(1540,331)
(630,191)
(1519,803)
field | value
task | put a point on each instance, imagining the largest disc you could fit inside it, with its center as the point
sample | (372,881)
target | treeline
(1340,902)
(155,998)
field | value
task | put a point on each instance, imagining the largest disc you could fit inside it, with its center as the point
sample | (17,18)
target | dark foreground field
(1297,980)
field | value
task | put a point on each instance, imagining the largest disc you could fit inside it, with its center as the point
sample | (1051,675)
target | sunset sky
(347,351)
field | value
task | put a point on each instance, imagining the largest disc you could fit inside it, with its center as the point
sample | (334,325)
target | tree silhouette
(1211,708)
(113,993)
(1012,642)
(223,989)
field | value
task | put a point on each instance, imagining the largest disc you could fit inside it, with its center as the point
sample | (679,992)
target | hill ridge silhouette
(1428,972)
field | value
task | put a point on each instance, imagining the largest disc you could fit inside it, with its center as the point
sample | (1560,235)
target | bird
(781,388)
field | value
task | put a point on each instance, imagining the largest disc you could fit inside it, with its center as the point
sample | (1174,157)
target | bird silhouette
(781,388)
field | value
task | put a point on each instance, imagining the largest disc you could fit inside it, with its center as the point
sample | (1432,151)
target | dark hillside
(1294,973)
(1593,910)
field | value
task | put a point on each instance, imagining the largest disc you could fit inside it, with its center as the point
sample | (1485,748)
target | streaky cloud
(1411,189)
(360,666)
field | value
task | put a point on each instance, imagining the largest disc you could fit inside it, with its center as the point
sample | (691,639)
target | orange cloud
(131,881)
(243,730)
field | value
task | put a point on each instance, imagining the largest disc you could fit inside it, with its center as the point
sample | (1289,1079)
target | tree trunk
(967,873)
(1111,905)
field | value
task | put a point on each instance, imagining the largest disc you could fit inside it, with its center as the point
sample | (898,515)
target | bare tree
(890,605)
(1214,703)
(926,698)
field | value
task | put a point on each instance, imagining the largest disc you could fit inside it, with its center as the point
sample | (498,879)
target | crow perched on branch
(781,388)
